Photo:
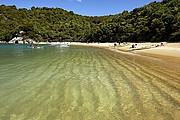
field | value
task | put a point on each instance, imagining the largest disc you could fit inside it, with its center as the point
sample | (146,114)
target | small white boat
(59,44)
(62,45)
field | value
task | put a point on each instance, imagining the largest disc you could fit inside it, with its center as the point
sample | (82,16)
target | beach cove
(83,82)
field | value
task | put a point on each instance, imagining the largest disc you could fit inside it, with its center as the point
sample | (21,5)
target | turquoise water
(85,83)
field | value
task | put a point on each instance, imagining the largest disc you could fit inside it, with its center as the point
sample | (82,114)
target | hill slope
(158,21)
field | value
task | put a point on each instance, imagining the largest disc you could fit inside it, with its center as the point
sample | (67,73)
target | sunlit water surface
(84,83)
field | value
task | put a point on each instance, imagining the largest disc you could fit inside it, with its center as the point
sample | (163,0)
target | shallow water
(84,83)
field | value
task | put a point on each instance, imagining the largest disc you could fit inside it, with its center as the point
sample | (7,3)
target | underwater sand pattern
(84,83)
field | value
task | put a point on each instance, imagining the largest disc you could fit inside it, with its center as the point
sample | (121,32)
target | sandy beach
(167,51)
(105,45)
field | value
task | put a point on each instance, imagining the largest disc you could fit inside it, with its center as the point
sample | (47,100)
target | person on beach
(133,46)
(115,44)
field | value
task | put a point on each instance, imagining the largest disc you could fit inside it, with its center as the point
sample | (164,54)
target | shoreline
(168,52)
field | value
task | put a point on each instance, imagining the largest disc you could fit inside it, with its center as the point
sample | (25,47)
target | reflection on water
(81,83)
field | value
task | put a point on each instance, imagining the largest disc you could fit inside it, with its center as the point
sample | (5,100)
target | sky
(83,7)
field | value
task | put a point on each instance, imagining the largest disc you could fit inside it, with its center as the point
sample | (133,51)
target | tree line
(155,22)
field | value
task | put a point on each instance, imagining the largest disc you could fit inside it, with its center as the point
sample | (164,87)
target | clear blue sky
(83,7)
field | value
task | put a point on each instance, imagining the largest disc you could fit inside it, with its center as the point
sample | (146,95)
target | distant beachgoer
(157,45)
(133,46)
(162,44)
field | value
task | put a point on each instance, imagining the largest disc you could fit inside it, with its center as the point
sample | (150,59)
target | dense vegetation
(158,21)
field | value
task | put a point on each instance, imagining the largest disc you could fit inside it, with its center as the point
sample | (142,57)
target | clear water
(84,83)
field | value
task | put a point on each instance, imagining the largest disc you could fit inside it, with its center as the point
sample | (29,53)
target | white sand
(93,44)
(168,50)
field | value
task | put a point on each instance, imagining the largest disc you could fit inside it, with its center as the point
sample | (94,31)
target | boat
(62,45)
(59,44)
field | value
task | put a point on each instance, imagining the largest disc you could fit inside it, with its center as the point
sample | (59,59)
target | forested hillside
(158,21)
